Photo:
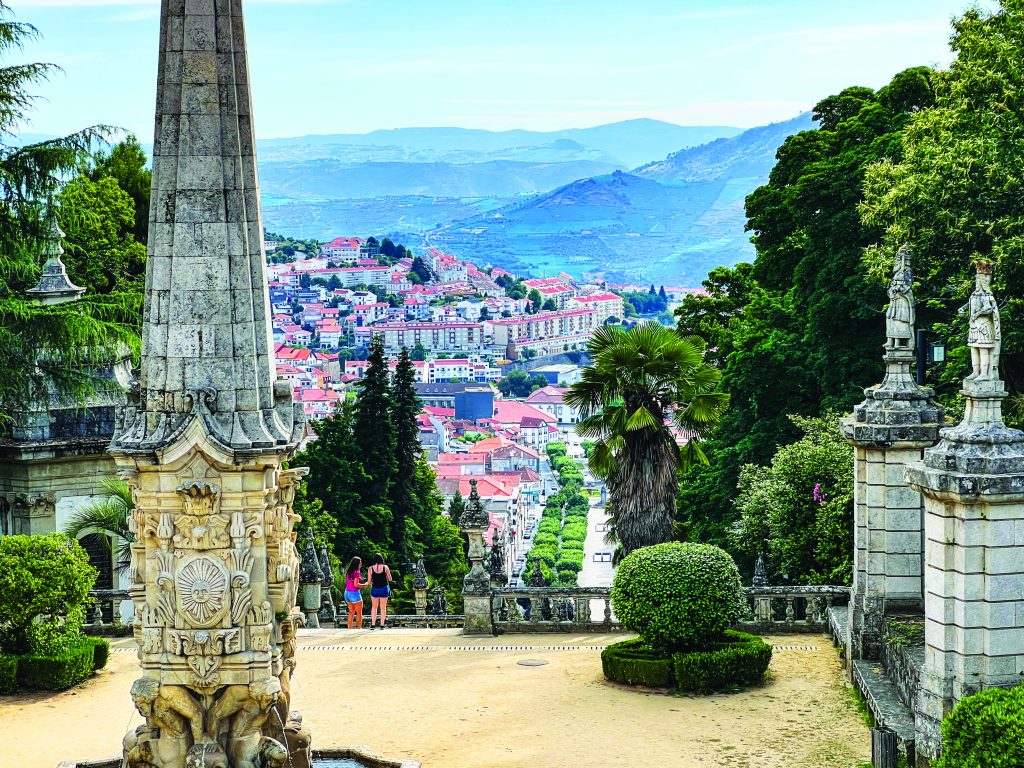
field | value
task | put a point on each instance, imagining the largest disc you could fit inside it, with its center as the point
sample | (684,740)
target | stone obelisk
(214,568)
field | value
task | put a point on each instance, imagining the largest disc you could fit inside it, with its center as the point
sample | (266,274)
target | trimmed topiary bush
(100,651)
(8,674)
(632,662)
(677,596)
(55,673)
(739,659)
(985,730)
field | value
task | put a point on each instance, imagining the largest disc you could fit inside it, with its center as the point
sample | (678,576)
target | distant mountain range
(667,222)
(627,143)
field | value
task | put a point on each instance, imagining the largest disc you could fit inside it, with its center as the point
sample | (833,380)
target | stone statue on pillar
(205,436)
(900,316)
(984,334)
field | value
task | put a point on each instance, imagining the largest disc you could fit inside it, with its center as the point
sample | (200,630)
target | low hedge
(739,659)
(55,673)
(8,674)
(100,651)
(631,662)
(545,539)
(985,730)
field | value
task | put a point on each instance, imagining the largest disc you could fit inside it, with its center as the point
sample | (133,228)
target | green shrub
(677,596)
(567,578)
(8,674)
(548,525)
(55,673)
(574,532)
(577,502)
(100,651)
(632,662)
(545,554)
(985,730)
(740,659)
(566,564)
(545,539)
(573,546)
(42,576)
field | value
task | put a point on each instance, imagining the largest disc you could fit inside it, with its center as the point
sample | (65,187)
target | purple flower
(820,497)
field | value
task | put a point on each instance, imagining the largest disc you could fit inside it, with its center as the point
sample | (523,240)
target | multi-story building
(550,400)
(343,249)
(605,305)
(545,332)
(435,337)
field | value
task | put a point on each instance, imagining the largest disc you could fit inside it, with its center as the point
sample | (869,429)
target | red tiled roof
(515,412)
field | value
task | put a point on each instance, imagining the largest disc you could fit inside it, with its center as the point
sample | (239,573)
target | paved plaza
(458,702)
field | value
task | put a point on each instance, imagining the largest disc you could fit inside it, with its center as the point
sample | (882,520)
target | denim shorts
(380,592)
(353,596)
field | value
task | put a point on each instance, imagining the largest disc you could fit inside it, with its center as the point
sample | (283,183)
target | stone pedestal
(419,586)
(476,586)
(973,485)
(891,428)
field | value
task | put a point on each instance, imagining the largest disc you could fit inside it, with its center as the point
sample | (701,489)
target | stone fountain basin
(352,757)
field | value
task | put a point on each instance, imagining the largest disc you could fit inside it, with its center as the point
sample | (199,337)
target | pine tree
(405,502)
(456,508)
(44,346)
(373,428)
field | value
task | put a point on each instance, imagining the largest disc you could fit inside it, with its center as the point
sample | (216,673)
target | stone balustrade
(105,612)
(553,609)
(791,609)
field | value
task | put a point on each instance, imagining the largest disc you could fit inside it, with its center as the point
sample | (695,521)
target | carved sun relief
(202,586)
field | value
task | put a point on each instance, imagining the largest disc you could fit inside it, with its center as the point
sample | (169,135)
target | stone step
(883,699)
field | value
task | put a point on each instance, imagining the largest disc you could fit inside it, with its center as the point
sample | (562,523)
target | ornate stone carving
(984,334)
(202,585)
(201,526)
(900,316)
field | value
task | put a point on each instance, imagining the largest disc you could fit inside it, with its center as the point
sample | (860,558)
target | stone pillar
(973,485)
(476,586)
(311,579)
(419,586)
(328,613)
(206,433)
(895,423)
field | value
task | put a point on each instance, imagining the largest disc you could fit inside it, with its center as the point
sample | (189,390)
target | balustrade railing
(105,612)
(791,609)
(553,609)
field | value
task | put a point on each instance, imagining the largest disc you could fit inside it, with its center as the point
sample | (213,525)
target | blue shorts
(353,596)
(380,592)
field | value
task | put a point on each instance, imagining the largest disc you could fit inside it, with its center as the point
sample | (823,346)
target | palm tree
(646,385)
(107,516)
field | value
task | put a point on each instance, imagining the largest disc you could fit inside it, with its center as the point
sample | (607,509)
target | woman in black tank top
(380,590)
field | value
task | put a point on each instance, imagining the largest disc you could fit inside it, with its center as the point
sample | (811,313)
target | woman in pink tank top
(353,597)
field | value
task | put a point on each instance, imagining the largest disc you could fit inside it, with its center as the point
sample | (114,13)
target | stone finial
(206,345)
(537,577)
(54,286)
(310,571)
(325,565)
(475,517)
(760,572)
(496,565)
(420,574)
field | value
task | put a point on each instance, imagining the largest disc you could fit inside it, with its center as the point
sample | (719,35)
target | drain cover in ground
(531,663)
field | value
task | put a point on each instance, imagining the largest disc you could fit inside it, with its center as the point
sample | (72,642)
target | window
(602,557)
(601,528)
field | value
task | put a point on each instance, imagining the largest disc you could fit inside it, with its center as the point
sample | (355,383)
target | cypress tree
(405,501)
(373,428)
(456,507)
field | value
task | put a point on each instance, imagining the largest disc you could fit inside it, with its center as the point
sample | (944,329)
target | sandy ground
(415,694)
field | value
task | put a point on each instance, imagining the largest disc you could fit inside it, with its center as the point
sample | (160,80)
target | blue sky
(349,66)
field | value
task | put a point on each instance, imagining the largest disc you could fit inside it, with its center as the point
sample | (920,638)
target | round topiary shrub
(677,596)
(632,662)
(739,659)
(985,730)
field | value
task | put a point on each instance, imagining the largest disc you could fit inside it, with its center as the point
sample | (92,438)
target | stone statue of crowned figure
(900,316)
(984,335)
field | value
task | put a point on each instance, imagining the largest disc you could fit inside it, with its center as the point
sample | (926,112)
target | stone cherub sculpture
(900,316)
(985,335)
(173,720)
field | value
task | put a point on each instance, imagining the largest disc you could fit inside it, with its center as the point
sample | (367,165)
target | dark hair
(354,565)
(378,559)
